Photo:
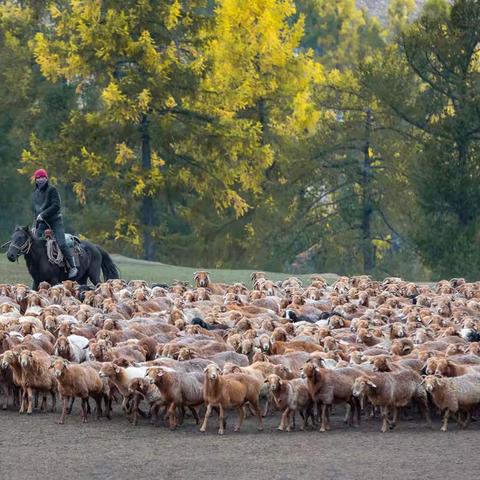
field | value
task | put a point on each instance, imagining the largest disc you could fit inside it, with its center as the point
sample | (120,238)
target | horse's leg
(94,276)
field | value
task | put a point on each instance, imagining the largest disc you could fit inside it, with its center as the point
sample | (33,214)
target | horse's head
(20,243)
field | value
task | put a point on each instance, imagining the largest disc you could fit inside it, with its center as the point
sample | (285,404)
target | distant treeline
(271,134)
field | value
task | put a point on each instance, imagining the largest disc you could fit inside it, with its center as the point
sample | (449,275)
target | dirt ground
(37,448)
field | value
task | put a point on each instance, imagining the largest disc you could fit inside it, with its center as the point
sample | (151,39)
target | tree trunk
(367,209)
(147,209)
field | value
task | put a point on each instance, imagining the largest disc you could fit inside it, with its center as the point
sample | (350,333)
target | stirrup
(73,272)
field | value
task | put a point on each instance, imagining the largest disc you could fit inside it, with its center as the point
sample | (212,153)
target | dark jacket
(46,202)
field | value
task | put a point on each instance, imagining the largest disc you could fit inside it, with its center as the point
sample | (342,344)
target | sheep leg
(241,416)
(64,410)
(54,401)
(108,406)
(221,416)
(445,420)
(347,417)
(98,407)
(23,401)
(329,411)
(281,427)
(393,422)
(265,408)
(291,420)
(84,409)
(70,408)
(182,415)
(384,414)
(172,416)
(258,413)
(323,418)
(43,407)
(205,419)
(423,405)
(6,394)
(30,401)
(195,415)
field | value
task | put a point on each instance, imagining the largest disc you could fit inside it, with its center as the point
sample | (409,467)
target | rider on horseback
(46,201)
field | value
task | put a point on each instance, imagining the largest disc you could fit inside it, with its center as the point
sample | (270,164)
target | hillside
(153,272)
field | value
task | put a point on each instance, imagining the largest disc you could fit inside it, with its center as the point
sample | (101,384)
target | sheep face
(274,382)
(9,357)
(212,372)
(361,386)
(109,370)
(58,365)
(201,279)
(25,358)
(431,382)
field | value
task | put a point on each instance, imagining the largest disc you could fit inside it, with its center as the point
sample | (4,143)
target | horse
(92,259)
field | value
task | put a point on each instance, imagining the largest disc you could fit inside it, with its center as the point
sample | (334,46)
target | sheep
(179,389)
(72,348)
(392,390)
(454,395)
(78,380)
(141,388)
(291,396)
(121,377)
(328,387)
(230,391)
(36,376)
(447,368)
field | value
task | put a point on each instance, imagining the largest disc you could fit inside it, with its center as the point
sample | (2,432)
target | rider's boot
(72,267)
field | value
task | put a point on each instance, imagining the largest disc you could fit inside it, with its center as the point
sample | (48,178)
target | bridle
(23,249)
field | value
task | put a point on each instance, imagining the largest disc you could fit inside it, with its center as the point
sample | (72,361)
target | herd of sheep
(175,354)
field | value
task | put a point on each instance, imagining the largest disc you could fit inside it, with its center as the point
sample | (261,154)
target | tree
(430,81)
(141,124)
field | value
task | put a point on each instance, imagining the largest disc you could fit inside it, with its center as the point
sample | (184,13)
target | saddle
(54,253)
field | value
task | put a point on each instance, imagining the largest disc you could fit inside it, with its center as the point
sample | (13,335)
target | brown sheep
(452,395)
(291,396)
(392,390)
(328,387)
(78,380)
(230,391)
(36,376)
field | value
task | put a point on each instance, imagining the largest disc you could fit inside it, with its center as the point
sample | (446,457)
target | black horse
(92,259)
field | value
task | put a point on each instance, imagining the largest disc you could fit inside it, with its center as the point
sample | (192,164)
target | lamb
(141,388)
(291,396)
(392,390)
(454,395)
(230,391)
(78,380)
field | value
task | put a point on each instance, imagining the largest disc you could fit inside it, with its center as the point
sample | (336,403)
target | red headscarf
(40,173)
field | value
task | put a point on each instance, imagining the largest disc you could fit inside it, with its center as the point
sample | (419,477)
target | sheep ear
(369,382)
(117,369)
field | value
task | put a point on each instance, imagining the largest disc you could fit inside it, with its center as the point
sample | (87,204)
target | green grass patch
(152,272)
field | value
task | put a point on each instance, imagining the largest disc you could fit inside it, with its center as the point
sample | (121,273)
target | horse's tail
(109,269)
